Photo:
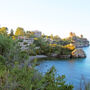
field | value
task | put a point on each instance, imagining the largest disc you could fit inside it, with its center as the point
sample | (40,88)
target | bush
(10,51)
(6,44)
(20,40)
(29,79)
(25,43)
(57,83)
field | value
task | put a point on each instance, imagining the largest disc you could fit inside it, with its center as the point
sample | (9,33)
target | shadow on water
(73,69)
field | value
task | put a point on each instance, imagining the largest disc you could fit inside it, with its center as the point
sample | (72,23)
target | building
(25,43)
(37,33)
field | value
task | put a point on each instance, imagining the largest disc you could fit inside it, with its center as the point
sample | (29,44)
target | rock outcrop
(78,53)
(61,56)
(64,56)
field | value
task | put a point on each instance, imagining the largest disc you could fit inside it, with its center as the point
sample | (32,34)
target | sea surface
(77,71)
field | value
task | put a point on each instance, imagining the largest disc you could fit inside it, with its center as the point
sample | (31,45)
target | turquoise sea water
(73,69)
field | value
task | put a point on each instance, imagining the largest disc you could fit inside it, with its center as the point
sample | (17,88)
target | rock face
(54,55)
(78,53)
(64,56)
(61,56)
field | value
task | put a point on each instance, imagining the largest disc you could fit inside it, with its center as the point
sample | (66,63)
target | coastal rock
(64,56)
(78,53)
(54,55)
(60,56)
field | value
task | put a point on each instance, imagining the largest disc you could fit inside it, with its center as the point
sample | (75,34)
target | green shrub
(20,40)
(25,43)
(26,78)
(15,76)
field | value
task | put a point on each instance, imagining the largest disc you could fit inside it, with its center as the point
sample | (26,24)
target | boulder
(78,53)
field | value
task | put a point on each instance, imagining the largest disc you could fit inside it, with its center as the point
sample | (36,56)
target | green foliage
(23,55)
(44,46)
(26,78)
(15,76)
(65,51)
(10,51)
(31,49)
(19,32)
(2,65)
(2,59)
(20,40)
(5,44)
(3,30)
(84,85)
(25,43)
(29,34)
(48,49)
(87,86)
(11,32)
(39,42)
(57,83)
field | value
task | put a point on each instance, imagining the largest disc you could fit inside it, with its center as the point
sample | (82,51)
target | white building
(21,37)
(29,40)
(25,43)
(37,33)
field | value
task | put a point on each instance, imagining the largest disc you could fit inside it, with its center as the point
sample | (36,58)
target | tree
(51,36)
(11,32)
(11,51)
(3,30)
(31,50)
(19,31)
(72,34)
(5,44)
(16,75)
(52,83)
(81,36)
(57,38)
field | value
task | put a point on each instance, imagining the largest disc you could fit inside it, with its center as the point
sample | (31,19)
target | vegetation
(15,76)
(47,49)
(10,51)
(32,50)
(19,32)
(3,30)
(47,45)
(11,32)
(84,85)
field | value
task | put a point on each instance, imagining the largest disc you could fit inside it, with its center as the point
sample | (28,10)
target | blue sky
(49,16)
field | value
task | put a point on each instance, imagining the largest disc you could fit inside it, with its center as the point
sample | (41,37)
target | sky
(57,17)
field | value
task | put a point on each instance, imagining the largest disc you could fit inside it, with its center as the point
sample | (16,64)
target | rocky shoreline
(77,53)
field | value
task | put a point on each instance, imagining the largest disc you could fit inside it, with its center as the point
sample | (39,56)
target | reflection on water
(74,69)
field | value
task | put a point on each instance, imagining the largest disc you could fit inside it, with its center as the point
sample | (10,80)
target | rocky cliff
(78,53)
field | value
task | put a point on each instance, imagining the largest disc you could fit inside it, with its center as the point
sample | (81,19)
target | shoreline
(37,57)
(31,58)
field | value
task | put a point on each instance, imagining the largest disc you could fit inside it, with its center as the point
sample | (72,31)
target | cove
(73,69)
